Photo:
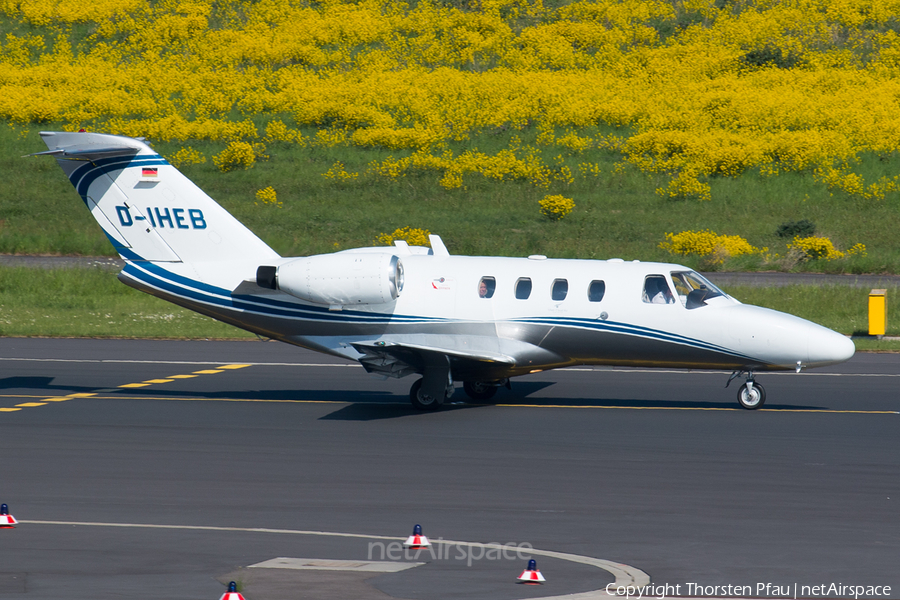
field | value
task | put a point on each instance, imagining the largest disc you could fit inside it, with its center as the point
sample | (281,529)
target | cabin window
(656,290)
(486,287)
(523,288)
(693,289)
(596,290)
(559,290)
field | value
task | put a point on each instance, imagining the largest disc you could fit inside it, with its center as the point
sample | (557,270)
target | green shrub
(791,229)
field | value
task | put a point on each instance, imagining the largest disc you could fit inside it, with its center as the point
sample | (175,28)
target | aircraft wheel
(477,390)
(419,400)
(751,395)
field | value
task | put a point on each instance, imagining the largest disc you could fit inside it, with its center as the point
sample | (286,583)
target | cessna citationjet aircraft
(405,310)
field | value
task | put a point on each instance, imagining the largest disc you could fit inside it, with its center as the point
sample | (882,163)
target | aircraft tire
(479,391)
(753,398)
(421,402)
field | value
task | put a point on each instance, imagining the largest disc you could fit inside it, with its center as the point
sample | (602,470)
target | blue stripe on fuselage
(170,283)
(162,279)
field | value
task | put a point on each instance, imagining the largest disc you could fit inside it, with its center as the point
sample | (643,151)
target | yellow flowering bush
(411,235)
(338,172)
(277,131)
(705,243)
(238,155)
(854,185)
(186,156)
(556,207)
(685,185)
(267,197)
(816,247)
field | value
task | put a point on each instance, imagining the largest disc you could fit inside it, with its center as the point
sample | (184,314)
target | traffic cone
(7,521)
(232,593)
(531,575)
(417,541)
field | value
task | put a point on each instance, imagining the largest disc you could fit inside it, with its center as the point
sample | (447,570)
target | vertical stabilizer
(146,207)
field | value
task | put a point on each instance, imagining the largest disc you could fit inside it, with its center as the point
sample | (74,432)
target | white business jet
(406,310)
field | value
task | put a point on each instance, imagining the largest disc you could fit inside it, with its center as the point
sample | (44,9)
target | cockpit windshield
(694,289)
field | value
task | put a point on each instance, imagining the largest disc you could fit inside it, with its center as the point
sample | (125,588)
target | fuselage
(540,314)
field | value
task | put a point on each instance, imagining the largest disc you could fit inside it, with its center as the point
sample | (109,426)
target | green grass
(93,303)
(842,308)
(617,214)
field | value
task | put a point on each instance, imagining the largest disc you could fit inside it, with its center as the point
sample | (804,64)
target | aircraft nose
(827,347)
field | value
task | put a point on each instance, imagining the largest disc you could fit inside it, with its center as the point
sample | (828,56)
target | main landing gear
(476,390)
(751,395)
(422,400)
(479,390)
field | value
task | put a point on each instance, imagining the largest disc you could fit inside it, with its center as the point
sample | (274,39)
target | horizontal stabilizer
(82,153)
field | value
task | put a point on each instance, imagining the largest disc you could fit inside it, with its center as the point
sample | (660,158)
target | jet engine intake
(337,279)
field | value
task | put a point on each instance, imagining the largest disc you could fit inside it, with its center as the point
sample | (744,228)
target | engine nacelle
(337,279)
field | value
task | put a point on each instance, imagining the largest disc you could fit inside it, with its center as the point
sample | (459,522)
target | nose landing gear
(751,395)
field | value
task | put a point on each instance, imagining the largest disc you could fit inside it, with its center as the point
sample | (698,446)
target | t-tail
(178,243)
(148,209)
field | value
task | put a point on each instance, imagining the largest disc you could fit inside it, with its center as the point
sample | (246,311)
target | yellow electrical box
(877,312)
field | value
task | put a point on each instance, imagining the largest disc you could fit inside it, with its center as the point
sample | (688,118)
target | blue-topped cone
(7,521)
(416,541)
(232,593)
(531,575)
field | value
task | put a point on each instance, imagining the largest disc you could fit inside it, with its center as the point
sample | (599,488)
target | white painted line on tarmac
(625,575)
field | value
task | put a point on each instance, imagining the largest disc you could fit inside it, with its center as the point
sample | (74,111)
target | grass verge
(93,303)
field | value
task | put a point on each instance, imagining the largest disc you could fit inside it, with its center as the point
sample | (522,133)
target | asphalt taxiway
(147,469)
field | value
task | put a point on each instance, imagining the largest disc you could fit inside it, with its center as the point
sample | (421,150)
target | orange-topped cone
(232,593)
(7,521)
(417,541)
(531,575)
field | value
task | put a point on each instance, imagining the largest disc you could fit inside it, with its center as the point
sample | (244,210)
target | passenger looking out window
(486,287)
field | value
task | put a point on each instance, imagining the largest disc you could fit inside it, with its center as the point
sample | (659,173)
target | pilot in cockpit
(656,290)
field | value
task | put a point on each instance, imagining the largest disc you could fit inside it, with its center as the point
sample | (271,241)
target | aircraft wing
(401,358)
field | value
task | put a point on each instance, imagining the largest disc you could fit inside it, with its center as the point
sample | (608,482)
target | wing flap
(399,359)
